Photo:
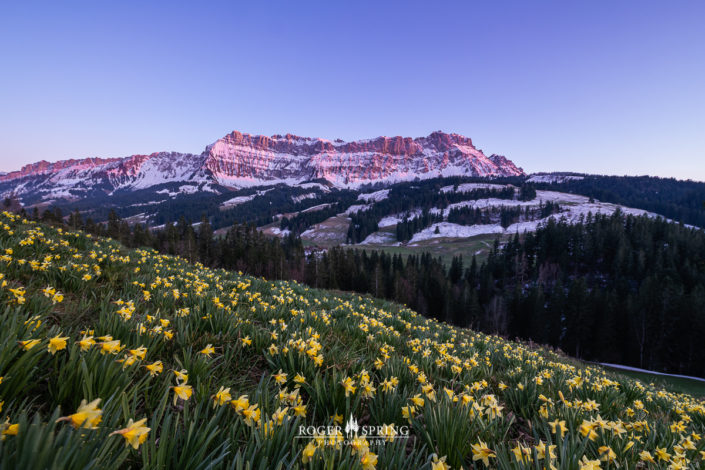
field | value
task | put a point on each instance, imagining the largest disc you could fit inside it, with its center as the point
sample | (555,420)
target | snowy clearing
(467,187)
(354,209)
(553,178)
(374,197)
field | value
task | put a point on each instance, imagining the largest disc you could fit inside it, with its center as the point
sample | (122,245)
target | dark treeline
(679,200)
(301,221)
(527,192)
(409,226)
(260,210)
(629,290)
(424,195)
(619,289)
(504,215)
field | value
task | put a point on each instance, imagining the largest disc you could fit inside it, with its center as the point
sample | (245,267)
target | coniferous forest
(622,289)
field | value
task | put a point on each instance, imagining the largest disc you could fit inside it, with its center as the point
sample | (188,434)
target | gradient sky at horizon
(598,86)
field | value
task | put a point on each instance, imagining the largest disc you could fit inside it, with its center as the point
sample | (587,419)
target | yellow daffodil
(57,343)
(87,415)
(135,433)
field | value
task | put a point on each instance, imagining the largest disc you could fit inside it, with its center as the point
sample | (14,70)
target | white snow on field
(573,208)
(317,208)
(243,199)
(446,229)
(303,197)
(145,203)
(391,220)
(276,231)
(357,208)
(238,200)
(376,196)
(467,187)
(188,189)
(380,238)
(553,178)
(166,191)
(320,186)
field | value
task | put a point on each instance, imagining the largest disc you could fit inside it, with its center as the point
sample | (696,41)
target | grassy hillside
(199,368)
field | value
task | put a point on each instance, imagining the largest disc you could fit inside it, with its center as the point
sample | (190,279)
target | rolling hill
(117,358)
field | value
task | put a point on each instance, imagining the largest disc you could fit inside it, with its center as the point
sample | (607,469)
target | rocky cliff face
(239,160)
(243,159)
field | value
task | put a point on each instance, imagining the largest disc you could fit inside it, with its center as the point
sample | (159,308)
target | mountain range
(241,160)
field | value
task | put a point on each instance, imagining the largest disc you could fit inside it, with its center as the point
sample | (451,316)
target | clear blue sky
(612,87)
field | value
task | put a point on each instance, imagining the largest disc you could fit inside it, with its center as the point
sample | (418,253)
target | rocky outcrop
(241,159)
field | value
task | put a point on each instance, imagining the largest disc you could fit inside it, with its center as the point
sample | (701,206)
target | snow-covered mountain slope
(242,160)
(77,179)
(573,208)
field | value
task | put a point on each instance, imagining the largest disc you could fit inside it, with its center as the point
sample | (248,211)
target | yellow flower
(606,453)
(241,403)
(300,410)
(417,400)
(587,429)
(645,456)
(279,415)
(208,350)
(558,425)
(368,461)
(110,347)
(480,451)
(140,352)
(349,385)
(408,412)
(586,464)
(155,368)
(308,452)
(542,449)
(246,341)
(522,453)
(280,377)
(28,344)
(86,342)
(182,391)
(662,454)
(222,396)
(181,375)
(7,429)
(135,433)
(299,379)
(88,415)
(252,414)
(57,343)
(439,464)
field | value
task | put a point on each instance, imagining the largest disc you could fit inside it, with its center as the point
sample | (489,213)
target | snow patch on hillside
(375,196)
(303,197)
(553,178)
(318,207)
(354,209)
(238,200)
(381,238)
(467,187)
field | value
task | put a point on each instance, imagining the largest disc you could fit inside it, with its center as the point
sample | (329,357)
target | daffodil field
(116,358)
